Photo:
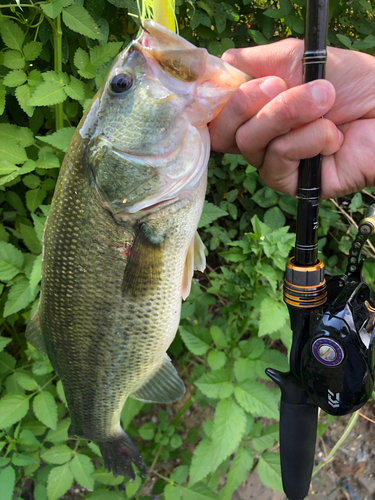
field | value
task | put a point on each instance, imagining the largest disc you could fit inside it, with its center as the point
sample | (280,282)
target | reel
(332,359)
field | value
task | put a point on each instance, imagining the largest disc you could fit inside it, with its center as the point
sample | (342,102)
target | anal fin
(34,333)
(195,260)
(164,386)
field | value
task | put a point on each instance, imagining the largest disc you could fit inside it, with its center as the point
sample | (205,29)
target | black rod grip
(298,426)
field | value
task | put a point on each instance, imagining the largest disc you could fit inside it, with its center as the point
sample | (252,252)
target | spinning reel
(332,357)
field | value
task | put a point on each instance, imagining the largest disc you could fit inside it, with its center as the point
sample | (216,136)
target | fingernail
(272,87)
(319,93)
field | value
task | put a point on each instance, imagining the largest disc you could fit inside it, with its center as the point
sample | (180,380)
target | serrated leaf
(273,315)
(196,345)
(172,492)
(30,239)
(240,468)
(32,50)
(36,273)
(2,98)
(20,296)
(215,384)
(45,409)
(243,369)
(52,9)
(202,460)
(12,34)
(60,434)
(13,153)
(31,181)
(218,337)
(75,89)
(11,261)
(26,381)
(21,459)
(13,407)
(210,213)
(7,482)
(59,454)
(60,392)
(23,95)
(23,136)
(107,478)
(48,93)
(13,59)
(257,399)
(60,479)
(198,491)
(15,78)
(4,342)
(59,139)
(27,438)
(78,19)
(216,359)
(7,362)
(34,198)
(104,53)
(82,468)
(269,470)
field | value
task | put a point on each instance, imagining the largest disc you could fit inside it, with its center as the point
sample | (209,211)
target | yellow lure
(161,11)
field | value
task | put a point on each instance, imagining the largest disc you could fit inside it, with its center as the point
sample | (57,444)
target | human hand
(274,121)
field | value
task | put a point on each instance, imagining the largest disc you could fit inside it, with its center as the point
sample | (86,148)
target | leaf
(243,369)
(11,261)
(45,409)
(240,468)
(172,492)
(21,459)
(78,19)
(193,342)
(215,384)
(13,59)
(19,297)
(32,50)
(47,159)
(104,53)
(60,392)
(201,463)
(48,93)
(82,63)
(34,198)
(269,470)
(52,9)
(30,239)
(257,399)
(15,78)
(12,34)
(82,468)
(60,434)
(23,136)
(13,153)
(59,454)
(2,97)
(210,213)
(23,95)
(4,342)
(107,477)
(7,482)
(36,273)
(60,479)
(345,41)
(216,359)
(59,139)
(13,407)
(27,438)
(26,381)
(273,315)
(7,362)
(198,491)
(180,474)
(75,89)
(218,337)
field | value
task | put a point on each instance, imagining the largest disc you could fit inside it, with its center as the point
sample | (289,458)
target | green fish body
(120,243)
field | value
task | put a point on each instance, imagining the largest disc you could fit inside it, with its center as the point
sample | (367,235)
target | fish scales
(120,243)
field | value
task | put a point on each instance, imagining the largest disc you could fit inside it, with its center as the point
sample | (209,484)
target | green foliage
(54,55)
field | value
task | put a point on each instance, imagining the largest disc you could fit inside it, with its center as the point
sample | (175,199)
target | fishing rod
(332,318)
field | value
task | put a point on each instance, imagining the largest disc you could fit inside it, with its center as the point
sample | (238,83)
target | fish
(120,243)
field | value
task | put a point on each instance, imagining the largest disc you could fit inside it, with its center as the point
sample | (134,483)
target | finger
(283,59)
(243,105)
(290,109)
(280,168)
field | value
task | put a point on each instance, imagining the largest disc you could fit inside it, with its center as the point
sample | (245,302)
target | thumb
(282,59)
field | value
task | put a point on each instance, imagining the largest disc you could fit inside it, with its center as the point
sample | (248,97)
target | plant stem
(57,39)
(184,408)
(348,428)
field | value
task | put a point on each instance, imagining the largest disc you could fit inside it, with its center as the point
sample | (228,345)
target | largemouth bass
(120,243)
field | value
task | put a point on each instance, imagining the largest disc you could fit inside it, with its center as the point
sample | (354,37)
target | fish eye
(121,83)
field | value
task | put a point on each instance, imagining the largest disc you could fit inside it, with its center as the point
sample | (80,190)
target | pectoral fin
(164,386)
(34,333)
(195,260)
